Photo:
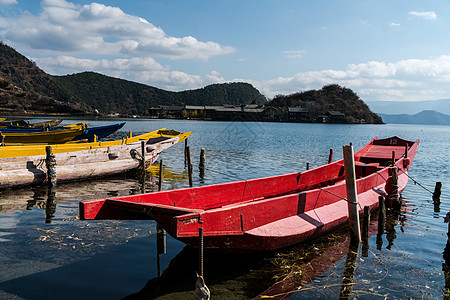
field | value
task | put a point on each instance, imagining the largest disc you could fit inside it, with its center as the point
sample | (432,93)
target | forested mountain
(110,95)
(330,98)
(25,88)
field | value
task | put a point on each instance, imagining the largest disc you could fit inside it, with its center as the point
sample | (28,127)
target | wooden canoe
(25,124)
(41,137)
(267,213)
(89,134)
(98,132)
(25,165)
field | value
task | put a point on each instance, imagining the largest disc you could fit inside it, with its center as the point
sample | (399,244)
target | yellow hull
(44,137)
(32,150)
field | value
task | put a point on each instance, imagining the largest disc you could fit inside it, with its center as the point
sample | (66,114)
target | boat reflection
(72,192)
(274,275)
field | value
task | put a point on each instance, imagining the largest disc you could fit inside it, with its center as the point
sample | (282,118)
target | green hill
(330,98)
(25,88)
(114,95)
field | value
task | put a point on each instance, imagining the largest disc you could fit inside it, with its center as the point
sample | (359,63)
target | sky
(383,50)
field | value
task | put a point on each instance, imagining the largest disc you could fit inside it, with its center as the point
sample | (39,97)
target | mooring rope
(343,198)
(416,182)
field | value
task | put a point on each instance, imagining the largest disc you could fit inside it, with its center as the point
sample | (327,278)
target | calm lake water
(47,252)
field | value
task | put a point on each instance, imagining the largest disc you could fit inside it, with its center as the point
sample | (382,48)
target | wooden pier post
(185,152)
(437,191)
(365,231)
(352,199)
(381,221)
(143,154)
(201,166)
(395,196)
(189,165)
(330,157)
(161,247)
(51,166)
(160,175)
(307,166)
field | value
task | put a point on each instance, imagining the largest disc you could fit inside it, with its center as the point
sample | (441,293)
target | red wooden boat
(266,213)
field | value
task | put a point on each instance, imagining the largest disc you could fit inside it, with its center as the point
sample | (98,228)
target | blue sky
(383,50)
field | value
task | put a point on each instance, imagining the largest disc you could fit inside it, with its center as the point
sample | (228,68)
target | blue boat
(99,131)
(88,134)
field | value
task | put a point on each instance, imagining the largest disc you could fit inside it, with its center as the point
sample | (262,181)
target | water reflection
(47,199)
(274,275)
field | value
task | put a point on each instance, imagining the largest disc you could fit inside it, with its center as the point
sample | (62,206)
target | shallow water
(46,251)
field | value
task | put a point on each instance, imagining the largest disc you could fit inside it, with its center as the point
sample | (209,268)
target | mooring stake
(352,199)
(160,175)
(189,165)
(201,166)
(143,154)
(185,151)
(437,191)
(51,167)
(381,221)
(365,231)
(307,166)
(330,157)
(161,247)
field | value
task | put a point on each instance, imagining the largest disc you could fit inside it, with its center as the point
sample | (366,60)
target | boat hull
(267,213)
(83,163)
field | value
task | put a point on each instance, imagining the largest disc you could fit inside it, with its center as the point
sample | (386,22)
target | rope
(415,182)
(341,197)
(233,176)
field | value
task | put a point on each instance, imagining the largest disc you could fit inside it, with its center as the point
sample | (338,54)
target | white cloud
(393,24)
(8,2)
(143,70)
(65,28)
(427,15)
(294,53)
(412,79)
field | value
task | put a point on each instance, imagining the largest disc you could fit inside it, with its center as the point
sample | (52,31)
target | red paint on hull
(267,213)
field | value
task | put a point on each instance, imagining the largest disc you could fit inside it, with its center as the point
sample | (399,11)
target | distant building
(298,114)
(335,117)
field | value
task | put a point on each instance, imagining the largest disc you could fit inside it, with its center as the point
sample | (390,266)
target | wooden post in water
(352,198)
(437,191)
(51,166)
(160,175)
(365,231)
(307,166)
(161,247)
(330,157)
(143,154)
(185,152)
(200,234)
(395,196)
(366,222)
(189,165)
(381,221)
(201,166)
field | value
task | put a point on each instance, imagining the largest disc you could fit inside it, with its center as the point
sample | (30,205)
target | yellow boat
(25,165)
(41,137)
(26,124)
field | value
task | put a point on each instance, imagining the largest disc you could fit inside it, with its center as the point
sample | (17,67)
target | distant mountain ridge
(409,107)
(425,117)
(114,95)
